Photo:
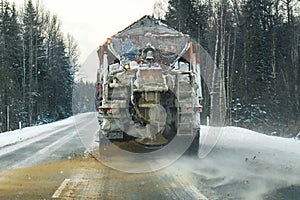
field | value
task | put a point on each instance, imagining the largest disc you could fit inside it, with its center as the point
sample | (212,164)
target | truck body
(149,84)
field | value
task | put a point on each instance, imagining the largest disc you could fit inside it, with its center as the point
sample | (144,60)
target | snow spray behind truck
(149,84)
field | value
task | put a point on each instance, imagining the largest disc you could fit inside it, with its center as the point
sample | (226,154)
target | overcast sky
(91,22)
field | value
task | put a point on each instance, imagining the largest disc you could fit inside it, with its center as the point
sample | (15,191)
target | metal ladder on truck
(185,107)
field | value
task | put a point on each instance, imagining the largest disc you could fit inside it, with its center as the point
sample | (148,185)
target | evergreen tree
(37,67)
(255,45)
(33,43)
(10,64)
(179,15)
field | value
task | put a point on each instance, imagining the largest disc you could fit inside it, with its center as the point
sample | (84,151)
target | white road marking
(63,185)
(190,188)
(197,193)
(75,185)
(193,191)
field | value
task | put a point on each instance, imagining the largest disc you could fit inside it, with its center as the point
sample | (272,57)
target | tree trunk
(30,86)
(228,79)
(214,118)
(222,97)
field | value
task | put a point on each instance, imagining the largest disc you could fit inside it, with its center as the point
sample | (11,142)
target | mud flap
(193,149)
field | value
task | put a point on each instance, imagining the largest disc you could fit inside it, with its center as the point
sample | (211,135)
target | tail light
(201,108)
(196,109)
(105,110)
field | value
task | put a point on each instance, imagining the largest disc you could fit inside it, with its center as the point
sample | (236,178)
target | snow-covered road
(241,165)
(42,144)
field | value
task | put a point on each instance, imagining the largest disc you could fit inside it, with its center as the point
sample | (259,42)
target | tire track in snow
(44,152)
(25,143)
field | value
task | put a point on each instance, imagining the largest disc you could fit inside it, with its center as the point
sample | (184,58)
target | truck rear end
(149,85)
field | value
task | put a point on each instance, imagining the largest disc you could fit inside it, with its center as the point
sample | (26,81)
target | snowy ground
(43,144)
(21,135)
(13,137)
(245,165)
(234,163)
(225,136)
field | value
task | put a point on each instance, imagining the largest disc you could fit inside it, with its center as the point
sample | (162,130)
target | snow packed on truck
(149,84)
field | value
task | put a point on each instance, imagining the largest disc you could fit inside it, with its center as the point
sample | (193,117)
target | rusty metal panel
(150,80)
(153,76)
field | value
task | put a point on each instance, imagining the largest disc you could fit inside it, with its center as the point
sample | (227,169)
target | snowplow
(148,85)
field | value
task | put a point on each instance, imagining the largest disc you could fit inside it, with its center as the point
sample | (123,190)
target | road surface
(54,166)
(56,144)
